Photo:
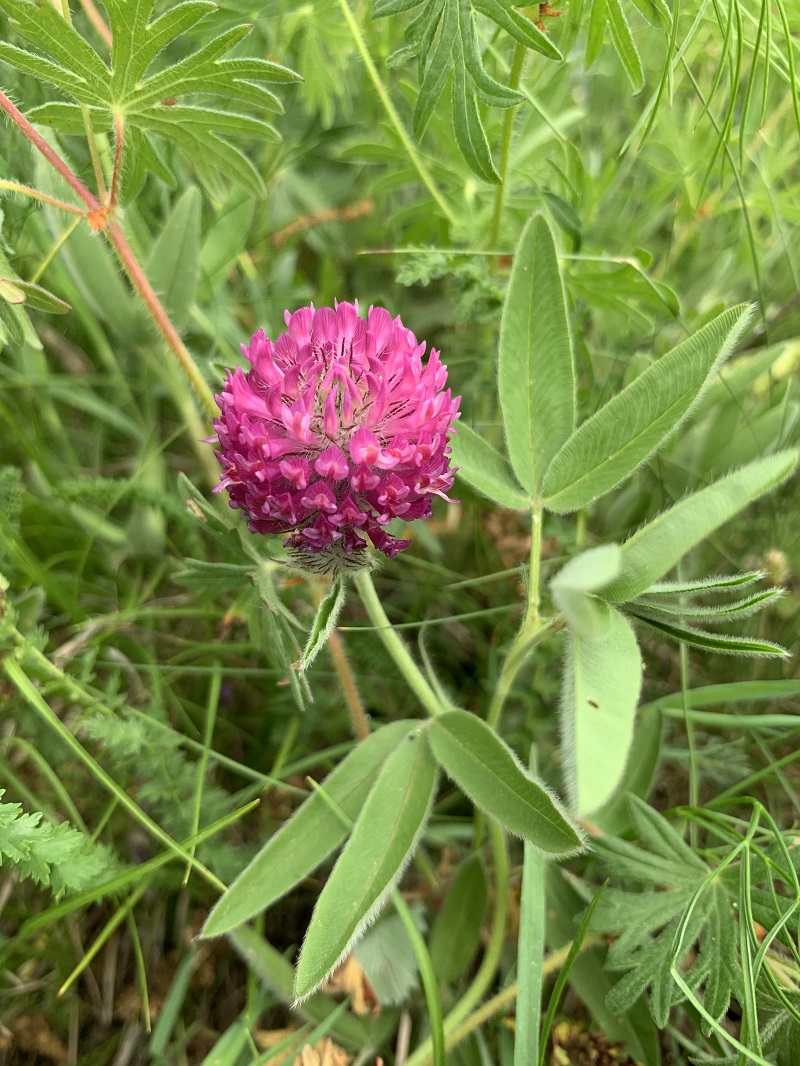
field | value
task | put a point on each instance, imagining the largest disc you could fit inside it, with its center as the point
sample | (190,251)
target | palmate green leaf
(717,962)
(488,771)
(644,922)
(485,470)
(635,423)
(444,35)
(658,546)
(310,835)
(382,842)
(589,978)
(536,369)
(143,103)
(602,681)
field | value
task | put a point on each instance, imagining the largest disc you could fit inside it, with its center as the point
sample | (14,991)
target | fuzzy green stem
(26,190)
(533,629)
(491,959)
(395,646)
(394,117)
(505,146)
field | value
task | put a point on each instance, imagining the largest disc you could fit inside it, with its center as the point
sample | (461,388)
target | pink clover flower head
(338,427)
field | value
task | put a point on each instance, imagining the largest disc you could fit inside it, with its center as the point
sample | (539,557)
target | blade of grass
(202,764)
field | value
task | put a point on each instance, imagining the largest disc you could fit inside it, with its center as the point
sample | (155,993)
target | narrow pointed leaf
(309,837)
(721,584)
(536,370)
(46,27)
(456,933)
(40,299)
(50,72)
(658,546)
(624,44)
(436,70)
(518,26)
(597,32)
(660,608)
(723,643)
(488,771)
(324,622)
(468,128)
(485,470)
(490,90)
(382,842)
(610,445)
(173,264)
(602,680)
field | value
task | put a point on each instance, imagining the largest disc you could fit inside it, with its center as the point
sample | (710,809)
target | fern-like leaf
(55,855)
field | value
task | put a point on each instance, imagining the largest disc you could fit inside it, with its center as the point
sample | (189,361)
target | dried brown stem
(347,680)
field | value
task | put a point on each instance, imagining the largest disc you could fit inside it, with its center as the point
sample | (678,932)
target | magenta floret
(337,428)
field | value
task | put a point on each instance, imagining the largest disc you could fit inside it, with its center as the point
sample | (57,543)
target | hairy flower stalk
(337,429)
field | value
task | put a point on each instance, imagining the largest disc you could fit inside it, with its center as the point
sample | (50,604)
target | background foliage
(150,699)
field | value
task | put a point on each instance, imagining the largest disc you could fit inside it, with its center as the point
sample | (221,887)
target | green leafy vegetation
(526,792)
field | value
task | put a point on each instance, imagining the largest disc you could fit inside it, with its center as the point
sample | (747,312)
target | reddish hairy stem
(50,155)
(96,20)
(145,290)
(119,133)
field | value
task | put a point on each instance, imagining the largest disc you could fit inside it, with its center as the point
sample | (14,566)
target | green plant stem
(395,646)
(491,959)
(26,190)
(394,117)
(120,914)
(505,146)
(532,631)
(428,977)
(492,1006)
